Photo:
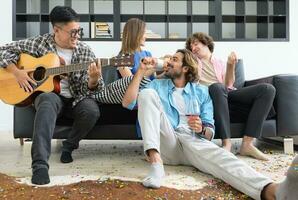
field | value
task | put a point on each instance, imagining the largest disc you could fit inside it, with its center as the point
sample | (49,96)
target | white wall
(260,58)
(6,115)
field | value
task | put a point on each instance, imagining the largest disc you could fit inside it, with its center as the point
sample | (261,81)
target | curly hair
(190,61)
(200,37)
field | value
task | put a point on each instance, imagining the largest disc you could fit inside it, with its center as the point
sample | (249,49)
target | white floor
(119,159)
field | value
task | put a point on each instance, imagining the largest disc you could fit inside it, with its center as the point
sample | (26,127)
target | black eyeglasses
(74,32)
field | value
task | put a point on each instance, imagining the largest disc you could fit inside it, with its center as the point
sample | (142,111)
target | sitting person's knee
(147,94)
(47,99)
(88,109)
(268,89)
(217,88)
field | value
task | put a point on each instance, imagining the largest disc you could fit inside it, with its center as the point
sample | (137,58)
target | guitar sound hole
(39,73)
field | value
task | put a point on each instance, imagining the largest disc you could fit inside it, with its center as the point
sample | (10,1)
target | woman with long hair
(133,39)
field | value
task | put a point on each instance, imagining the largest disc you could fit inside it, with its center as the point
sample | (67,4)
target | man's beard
(174,75)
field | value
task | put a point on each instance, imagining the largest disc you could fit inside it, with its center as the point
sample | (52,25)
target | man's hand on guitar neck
(22,78)
(94,72)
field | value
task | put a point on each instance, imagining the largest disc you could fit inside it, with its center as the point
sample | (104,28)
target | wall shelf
(170,20)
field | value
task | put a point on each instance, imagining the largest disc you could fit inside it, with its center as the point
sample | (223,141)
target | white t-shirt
(66,54)
(181,107)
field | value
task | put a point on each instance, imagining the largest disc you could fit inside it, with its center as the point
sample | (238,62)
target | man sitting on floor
(167,137)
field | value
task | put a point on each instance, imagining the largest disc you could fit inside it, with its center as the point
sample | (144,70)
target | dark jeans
(249,105)
(48,107)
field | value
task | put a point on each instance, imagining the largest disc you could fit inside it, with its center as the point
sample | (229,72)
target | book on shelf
(100,30)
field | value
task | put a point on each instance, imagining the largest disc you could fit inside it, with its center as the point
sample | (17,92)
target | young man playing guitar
(74,90)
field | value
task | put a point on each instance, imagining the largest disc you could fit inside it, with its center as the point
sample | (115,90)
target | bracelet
(202,134)
(204,129)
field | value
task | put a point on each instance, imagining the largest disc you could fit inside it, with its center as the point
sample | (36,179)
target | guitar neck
(105,62)
(75,67)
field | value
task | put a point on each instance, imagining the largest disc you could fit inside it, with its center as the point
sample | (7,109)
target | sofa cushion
(239,74)
(268,130)
(103,132)
(109,74)
(109,114)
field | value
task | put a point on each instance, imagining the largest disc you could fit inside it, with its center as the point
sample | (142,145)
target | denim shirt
(165,89)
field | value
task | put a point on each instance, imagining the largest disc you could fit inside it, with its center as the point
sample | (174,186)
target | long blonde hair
(133,32)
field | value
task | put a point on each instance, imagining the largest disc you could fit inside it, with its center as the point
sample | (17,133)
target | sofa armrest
(286,104)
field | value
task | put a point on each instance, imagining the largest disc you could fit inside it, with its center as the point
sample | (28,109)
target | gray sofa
(119,123)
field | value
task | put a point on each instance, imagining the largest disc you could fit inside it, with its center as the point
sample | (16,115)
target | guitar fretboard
(105,61)
(74,67)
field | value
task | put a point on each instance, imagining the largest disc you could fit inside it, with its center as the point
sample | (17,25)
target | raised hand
(166,59)
(231,66)
(148,64)
(232,59)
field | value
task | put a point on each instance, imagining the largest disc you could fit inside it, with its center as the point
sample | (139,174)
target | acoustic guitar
(44,71)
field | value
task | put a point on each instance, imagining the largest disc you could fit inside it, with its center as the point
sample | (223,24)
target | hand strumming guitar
(22,78)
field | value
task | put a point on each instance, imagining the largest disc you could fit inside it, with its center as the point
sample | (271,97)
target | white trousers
(177,147)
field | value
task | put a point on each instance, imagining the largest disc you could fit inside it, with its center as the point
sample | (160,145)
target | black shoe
(40,176)
(66,157)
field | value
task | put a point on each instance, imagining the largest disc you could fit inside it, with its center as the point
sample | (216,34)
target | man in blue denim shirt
(167,131)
